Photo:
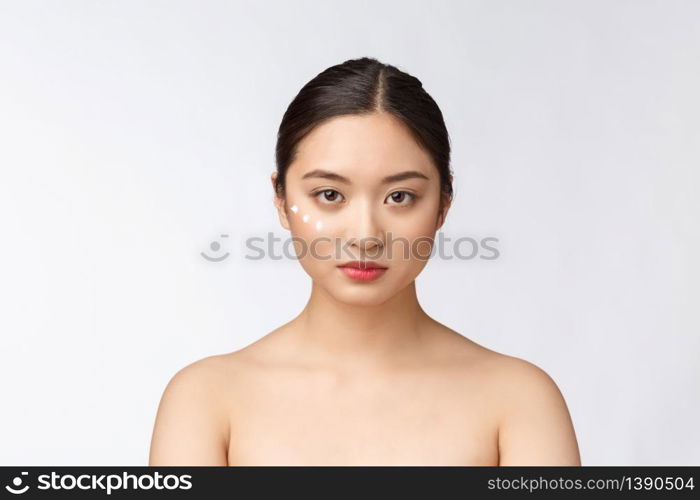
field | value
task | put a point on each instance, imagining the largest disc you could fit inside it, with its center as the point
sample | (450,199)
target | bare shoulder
(204,379)
(533,420)
(515,375)
(191,425)
(535,425)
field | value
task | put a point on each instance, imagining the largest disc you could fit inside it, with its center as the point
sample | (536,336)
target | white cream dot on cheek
(305,218)
(294,208)
(319,225)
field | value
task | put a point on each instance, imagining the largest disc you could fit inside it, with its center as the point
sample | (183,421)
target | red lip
(362,270)
(362,264)
(357,274)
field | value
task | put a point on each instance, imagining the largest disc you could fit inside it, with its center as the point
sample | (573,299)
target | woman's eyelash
(324,191)
(412,199)
(316,194)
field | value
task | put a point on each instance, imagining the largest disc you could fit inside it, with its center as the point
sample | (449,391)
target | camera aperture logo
(105,482)
(16,487)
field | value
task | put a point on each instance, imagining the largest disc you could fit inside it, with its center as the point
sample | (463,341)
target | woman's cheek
(412,239)
(312,237)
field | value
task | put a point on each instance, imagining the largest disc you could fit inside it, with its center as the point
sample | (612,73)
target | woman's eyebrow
(401,176)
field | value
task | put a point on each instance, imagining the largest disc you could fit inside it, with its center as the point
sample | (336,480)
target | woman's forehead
(367,139)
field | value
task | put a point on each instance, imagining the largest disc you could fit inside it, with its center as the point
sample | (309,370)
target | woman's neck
(347,336)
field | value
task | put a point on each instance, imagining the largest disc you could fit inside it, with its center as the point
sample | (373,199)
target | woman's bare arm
(536,427)
(191,426)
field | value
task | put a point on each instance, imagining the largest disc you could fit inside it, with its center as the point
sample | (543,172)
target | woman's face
(347,200)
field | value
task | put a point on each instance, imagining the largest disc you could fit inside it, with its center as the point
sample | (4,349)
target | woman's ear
(445,205)
(442,215)
(280,203)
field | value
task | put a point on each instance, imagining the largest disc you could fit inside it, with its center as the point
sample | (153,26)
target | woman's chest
(377,424)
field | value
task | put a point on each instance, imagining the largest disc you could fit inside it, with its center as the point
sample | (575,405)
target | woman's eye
(329,195)
(399,198)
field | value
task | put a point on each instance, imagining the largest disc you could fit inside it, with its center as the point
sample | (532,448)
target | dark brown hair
(364,86)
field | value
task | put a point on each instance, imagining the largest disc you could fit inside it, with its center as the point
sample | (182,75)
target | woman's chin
(361,296)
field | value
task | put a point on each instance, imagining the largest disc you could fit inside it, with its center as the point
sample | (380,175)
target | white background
(134,133)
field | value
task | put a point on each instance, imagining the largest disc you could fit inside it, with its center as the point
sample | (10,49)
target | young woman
(363,375)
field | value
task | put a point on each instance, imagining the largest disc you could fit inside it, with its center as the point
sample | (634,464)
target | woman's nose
(365,229)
